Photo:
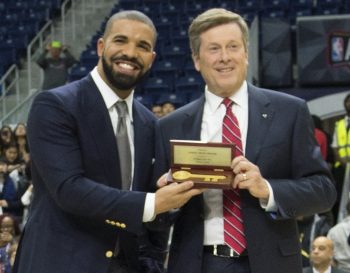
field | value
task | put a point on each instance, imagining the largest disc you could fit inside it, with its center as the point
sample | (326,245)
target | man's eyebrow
(120,36)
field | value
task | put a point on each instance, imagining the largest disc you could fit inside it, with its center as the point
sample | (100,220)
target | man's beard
(121,81)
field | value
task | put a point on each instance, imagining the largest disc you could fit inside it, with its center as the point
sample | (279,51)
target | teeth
(225,69)
(126,66)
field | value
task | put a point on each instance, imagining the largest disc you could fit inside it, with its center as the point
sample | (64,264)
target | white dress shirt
(329,270)
(211,131)
(110,98)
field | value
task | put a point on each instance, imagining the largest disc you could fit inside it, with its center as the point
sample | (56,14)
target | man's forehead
(125,23)
(130,27)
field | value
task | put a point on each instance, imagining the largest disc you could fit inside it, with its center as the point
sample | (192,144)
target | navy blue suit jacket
(78,209)
(280,142)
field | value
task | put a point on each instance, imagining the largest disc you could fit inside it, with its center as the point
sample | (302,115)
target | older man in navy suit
(279,174)
(82,218)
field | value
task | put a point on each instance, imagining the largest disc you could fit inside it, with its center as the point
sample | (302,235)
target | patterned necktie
(123,145)
(233,224)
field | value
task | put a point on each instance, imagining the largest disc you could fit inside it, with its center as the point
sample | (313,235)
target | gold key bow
(184,175)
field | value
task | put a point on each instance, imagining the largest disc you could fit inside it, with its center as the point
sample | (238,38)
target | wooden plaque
(207,164)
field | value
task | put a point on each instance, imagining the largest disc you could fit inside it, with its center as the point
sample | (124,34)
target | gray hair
(212,18)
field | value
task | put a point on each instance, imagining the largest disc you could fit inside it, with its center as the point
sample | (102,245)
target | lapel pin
(264,115)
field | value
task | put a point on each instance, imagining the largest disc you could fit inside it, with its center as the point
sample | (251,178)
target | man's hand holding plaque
(208,165)
(174,195)
(247,176)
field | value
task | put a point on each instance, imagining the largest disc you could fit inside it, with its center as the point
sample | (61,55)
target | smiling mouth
(127,66)
(224,70)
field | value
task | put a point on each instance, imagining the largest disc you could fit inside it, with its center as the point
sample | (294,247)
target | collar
(329,270)
(110,98)
(240,98)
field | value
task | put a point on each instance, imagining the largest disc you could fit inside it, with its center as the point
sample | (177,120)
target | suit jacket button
(109,254)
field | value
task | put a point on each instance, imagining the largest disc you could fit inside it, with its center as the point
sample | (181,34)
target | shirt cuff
(25,199)
(149,209)
(270,205)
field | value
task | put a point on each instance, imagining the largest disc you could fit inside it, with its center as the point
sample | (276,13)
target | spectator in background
(26,200)
(9,236)
(319,134)
(20,135)
(12,253)
(6,137)
(12,158)
(9,201)
(5,261)
(25,192)
(322,142)
(170,102)
(157,110)
(341,148)
(16,168)
(21,182)
(311,227)
(339,235)
(55,61)
(321,257)
(8,223)
(168,107)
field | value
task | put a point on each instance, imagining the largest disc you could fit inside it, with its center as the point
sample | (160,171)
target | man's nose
(225,55)
(130,50)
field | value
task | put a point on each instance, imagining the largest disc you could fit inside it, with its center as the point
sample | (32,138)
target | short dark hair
(130,15)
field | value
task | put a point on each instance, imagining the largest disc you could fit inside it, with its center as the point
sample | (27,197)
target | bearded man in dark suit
(83,218)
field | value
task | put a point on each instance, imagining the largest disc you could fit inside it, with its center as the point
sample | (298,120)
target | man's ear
(100,46)
(154,55)
(195,59)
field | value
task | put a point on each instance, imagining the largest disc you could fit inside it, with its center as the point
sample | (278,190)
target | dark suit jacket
(78,210)
(333,270)
(280,142)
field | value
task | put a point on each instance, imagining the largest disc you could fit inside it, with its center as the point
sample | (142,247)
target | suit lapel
(144,146)
(260,117)
(100,126)
(259,120)
(193,121)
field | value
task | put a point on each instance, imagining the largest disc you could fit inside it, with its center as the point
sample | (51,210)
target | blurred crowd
(15,190)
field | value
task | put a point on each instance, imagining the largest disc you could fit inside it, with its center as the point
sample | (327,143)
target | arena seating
(19,23)
(173,71)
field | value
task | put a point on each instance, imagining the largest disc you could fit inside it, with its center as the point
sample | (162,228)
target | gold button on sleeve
(109,254)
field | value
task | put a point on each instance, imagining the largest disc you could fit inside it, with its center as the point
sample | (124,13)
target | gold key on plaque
(183,175)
